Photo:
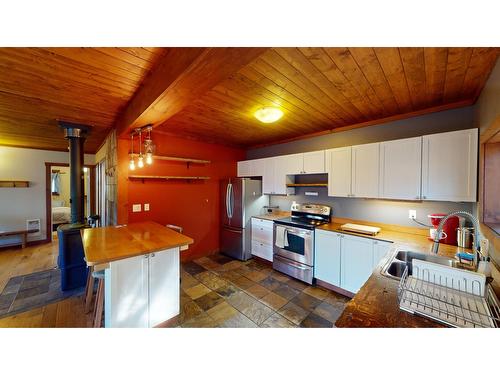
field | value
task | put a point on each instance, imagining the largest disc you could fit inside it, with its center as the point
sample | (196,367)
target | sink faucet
(467,215)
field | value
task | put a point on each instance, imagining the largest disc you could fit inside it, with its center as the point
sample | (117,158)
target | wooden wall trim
(488,134)
(48,194)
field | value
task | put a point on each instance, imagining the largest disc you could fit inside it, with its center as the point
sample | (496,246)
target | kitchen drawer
(262,222)
(262,250)
(262,234)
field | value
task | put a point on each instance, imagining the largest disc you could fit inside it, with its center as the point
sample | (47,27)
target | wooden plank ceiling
(211,94)
(320,89)
(38,86)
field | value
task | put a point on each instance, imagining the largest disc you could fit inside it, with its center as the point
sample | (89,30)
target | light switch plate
(136,208)
(146,206)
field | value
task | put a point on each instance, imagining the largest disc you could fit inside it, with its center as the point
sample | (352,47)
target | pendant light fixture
(140,159)
(132,163)
(148,146)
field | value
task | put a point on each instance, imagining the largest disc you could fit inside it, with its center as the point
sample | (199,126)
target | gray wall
(384,211)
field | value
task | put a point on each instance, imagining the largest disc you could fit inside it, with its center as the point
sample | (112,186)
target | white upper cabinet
(401,168)
(259,167)
(292,164)
(365,170)
(282,167)
(314,162)
(268,176)
(338,166)
(439,167)
(306,163)
(245,168)
(449,166)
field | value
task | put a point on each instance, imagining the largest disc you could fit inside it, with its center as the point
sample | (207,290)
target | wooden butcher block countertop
(107,244)
(376,303)
(273,216)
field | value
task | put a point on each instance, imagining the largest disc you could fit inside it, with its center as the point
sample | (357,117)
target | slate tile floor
(26,292)
(218,291)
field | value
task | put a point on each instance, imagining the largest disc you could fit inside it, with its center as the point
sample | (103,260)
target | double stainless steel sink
(402,259)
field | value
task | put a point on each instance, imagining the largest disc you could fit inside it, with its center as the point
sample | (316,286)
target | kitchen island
(376,303)
(142,272)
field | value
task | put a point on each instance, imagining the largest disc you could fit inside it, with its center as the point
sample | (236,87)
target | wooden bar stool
(89,289)
(99,298)
(95,272)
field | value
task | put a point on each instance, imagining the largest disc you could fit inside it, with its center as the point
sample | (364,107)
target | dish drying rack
(461,304)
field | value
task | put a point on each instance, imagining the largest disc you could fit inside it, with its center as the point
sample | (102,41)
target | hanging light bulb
(148,147)
(140,159)
(132,163)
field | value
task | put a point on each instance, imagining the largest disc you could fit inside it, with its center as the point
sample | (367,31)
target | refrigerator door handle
(227,200)
(231,201)
(239,231)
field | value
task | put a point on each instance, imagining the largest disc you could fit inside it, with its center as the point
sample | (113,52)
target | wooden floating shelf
(174,158)
(308,185)
(137,177)
(14,184)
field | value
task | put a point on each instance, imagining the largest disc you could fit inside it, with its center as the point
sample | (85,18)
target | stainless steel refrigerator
(241,198)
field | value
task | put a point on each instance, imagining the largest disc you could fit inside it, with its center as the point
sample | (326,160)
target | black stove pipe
(76,135)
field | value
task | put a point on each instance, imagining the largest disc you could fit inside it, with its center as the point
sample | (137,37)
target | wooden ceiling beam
(181,76)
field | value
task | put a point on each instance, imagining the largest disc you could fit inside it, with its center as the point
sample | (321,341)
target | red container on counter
(449,228)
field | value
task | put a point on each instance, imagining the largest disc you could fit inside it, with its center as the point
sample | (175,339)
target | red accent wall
(192,205)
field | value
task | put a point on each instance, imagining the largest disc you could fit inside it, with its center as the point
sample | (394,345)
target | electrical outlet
(412,214)
(136,208)
(146,206)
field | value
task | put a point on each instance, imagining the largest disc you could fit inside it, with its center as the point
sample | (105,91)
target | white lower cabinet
(163,298)
(262,238)
(327,256)
(142,291)
(380,249)
(346,261)
(356,262)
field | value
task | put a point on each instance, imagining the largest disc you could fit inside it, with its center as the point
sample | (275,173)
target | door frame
(48,193)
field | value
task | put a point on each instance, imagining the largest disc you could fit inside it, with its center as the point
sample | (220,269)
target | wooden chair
(95,272)
(99,299)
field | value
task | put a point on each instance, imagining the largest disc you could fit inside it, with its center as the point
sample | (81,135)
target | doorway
(58,210)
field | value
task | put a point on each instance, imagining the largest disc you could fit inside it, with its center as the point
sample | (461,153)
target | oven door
(300,244)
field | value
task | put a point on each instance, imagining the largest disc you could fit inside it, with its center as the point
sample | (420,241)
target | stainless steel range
(293,250)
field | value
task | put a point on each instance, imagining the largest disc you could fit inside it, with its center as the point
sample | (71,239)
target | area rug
(26,292)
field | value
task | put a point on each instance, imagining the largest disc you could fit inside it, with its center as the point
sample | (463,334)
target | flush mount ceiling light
(268,114)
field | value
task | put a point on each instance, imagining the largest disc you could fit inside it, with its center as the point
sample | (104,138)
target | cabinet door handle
(146,256)
(375,242)
(152,255)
